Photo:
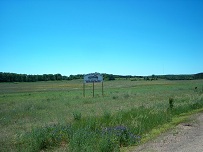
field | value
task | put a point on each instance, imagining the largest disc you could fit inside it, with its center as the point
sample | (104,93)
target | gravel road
(186,137)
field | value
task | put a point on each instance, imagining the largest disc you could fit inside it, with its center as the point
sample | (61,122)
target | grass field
(54,115)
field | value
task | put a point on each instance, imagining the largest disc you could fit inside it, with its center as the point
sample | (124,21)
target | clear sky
(126,37)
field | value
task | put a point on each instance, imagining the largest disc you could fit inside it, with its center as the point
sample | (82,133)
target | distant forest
(14,77)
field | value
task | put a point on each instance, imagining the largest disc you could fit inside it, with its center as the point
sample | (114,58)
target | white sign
(93,77)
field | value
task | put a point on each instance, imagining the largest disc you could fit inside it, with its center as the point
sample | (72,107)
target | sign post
(102,88)
(93,89)
(83,89)
(93,78)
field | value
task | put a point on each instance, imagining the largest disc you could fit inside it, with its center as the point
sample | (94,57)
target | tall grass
(105,133)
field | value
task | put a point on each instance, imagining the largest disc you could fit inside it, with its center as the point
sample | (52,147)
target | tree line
(198,76)
(14,77)
(182,77)
(177,77)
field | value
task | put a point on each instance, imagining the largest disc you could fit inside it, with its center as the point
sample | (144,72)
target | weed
(107,115)
(108,143)
(77,115)
(44,138)
(123,136)
(88,101)
(83,139)
(126,96)
(115,97)
(171,103)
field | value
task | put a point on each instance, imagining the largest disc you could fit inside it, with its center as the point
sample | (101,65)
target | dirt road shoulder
(185,137)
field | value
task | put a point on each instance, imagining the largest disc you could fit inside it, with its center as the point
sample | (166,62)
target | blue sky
(127,37)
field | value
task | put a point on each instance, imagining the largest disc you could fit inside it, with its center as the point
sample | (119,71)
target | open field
(31,109)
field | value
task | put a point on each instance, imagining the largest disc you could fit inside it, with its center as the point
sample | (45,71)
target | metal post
(93,88)
(102,88)
(83,89)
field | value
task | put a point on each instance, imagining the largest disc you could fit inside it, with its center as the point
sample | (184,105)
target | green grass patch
(108,132)
(54,116)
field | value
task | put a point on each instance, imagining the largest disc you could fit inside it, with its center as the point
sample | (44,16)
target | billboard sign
(93,77)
